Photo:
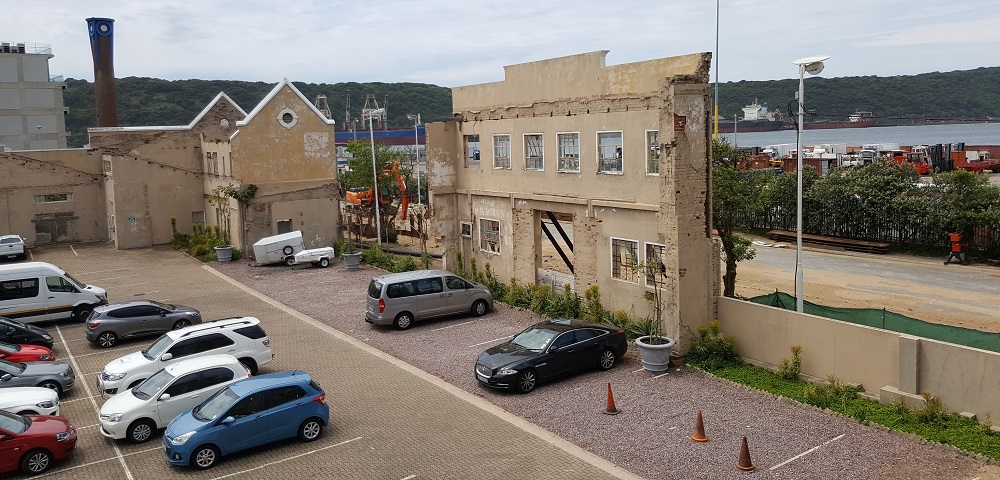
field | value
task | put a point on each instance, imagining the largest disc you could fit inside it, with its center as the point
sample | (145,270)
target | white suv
(12,246)
(136,414)
(241,337)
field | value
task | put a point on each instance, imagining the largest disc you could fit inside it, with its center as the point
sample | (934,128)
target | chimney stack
(102,48)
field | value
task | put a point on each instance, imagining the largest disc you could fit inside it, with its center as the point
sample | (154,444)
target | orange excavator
(364,197)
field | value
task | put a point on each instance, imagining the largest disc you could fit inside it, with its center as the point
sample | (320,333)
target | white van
(37,291)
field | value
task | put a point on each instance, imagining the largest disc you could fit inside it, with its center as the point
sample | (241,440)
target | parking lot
(425,417)
(388,421)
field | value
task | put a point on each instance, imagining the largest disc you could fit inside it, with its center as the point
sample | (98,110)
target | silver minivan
(399,299)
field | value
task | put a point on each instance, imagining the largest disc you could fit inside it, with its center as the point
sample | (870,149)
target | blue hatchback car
(248,413)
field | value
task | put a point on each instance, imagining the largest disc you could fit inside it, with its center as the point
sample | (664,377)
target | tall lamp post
(371,114)
(813,65)
(416,150)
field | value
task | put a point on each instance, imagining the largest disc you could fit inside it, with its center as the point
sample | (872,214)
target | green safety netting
(881,318)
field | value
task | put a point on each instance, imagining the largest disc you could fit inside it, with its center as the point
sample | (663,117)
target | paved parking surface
(388,421)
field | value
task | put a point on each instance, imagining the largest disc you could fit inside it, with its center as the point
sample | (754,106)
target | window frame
(631,276)
(600,159)
(65,197)
(645,253)
(541,158)
(649,150)
(483,230)
(496,147)
(461,229)
(472,160)
(559,152)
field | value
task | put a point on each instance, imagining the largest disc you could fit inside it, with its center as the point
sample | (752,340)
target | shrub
(517,295)
(406,264)
(237,254)
(636,329)
(564,305)
(425,261)
(539,298)
(791,366)
(933,410)
(592,310)
(834,392)
(712,348)
(339,247)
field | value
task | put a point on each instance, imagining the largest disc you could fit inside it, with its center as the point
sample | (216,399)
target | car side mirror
(166,356)
(165,396)
(6,377)
(228,420)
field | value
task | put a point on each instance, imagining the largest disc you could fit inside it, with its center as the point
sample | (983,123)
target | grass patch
(930,421)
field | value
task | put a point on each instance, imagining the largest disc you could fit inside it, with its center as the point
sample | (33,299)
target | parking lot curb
(469,398)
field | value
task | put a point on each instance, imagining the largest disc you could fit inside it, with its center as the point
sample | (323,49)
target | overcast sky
(453,43)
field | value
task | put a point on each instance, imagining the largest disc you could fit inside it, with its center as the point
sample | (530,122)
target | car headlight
(195,314)
(181,439)
(47,336)
(67,373)
(112,417)
(114,376)
(45,405)
(45,357)
(506,371)
(63,436)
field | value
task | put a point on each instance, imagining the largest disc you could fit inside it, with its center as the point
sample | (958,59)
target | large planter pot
(225,253)
(352,260)
(655,357)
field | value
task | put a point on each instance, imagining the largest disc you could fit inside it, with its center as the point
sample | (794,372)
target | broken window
(198,217)
(489,235)
(533,152)
(472,150)
(569,152)
(609,152)
(652,152)
(623,259)
(54,198)
(466,229)
(501,151)
(655,267)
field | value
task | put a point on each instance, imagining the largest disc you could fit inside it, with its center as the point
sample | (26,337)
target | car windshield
(12,368)
(14,322)
(78,283)
(157,347)
(215,405)
(13,422)
(534,338)
(375,289)
(165,306)
(152,385)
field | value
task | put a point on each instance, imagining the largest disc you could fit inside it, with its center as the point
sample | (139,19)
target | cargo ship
(756,118)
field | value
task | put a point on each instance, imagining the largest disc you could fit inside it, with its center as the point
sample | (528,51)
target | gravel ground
(650,436)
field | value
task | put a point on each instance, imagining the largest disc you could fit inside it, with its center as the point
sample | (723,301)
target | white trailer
(319,257)
(278,248)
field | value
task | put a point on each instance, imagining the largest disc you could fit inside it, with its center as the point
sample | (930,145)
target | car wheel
(54,386)
(182,323)
(204,457)
(107,339)
(82,313)
(480,308)
(403,321)
(289,261)
(310,429)
(324,262)
(250,365)
(526,381)
(141,431)
(608,359)
(288,250)
(35,462)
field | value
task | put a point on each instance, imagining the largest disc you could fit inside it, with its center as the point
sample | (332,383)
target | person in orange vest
(957,250)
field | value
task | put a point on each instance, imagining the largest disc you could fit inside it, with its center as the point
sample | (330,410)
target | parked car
(247,414)
(241,337)
(12,246)
(111,322)
(549,350)
(400,299)
(13,331)
(33,442)
(136,414)
(30,401)
(39,291)
(55,376)
(25,353)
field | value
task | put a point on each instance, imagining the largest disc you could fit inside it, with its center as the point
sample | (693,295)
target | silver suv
(108,323)
(399,299)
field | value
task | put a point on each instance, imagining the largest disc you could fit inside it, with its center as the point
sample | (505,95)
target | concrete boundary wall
(887,364)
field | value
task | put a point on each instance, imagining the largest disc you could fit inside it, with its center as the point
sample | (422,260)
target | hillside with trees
(929,97)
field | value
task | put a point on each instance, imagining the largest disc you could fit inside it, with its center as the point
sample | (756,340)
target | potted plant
(352,256)
(220,201)
(654,347)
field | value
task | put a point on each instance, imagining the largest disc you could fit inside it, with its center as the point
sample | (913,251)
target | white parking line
(838,437)
(123,276)
(637,371)
(74,250)
(102,271)
(490,341)
(411,477)
(286,459)
(76,399)
(105,351)
(660,375)
(89,426)
(99,461)
(90,395)
(453,326)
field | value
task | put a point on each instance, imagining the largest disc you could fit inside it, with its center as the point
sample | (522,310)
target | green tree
(963,202)
(736,197)
(359,175)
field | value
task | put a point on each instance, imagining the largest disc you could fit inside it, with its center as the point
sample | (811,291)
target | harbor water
(968,133)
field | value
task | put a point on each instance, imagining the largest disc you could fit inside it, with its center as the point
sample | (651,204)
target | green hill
(949,96)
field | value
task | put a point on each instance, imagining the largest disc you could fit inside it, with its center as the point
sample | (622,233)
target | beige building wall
(32,112)
(579,95)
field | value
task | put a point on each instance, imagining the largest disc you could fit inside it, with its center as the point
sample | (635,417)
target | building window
(623,259)
(569,152)
(208,162)
(472,150)
(215,163)
(107,167)
(501,151)
(652,152)
(54,198)
(654,263)
(534,154)
(489,235)
(287,118)
(609,152)
(198,217)
(284,226)
(466,229)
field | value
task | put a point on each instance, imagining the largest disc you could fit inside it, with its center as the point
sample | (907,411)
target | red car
(32,442)
(25,353)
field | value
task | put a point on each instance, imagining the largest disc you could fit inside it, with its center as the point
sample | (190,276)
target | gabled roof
(204,111)
(277,88)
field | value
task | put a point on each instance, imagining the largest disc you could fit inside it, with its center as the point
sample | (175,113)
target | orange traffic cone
(744,462)
(611,410)
(699,430)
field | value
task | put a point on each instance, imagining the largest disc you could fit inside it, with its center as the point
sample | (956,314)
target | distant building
(32,115)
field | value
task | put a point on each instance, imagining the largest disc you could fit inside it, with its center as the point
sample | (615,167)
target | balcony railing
(26,48)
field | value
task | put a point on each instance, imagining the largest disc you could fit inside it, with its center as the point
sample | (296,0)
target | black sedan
(549,350)
(13,331)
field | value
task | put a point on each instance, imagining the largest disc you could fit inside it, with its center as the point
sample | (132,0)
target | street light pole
(39,127)
(813,65)
(416,151)
(375,198)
